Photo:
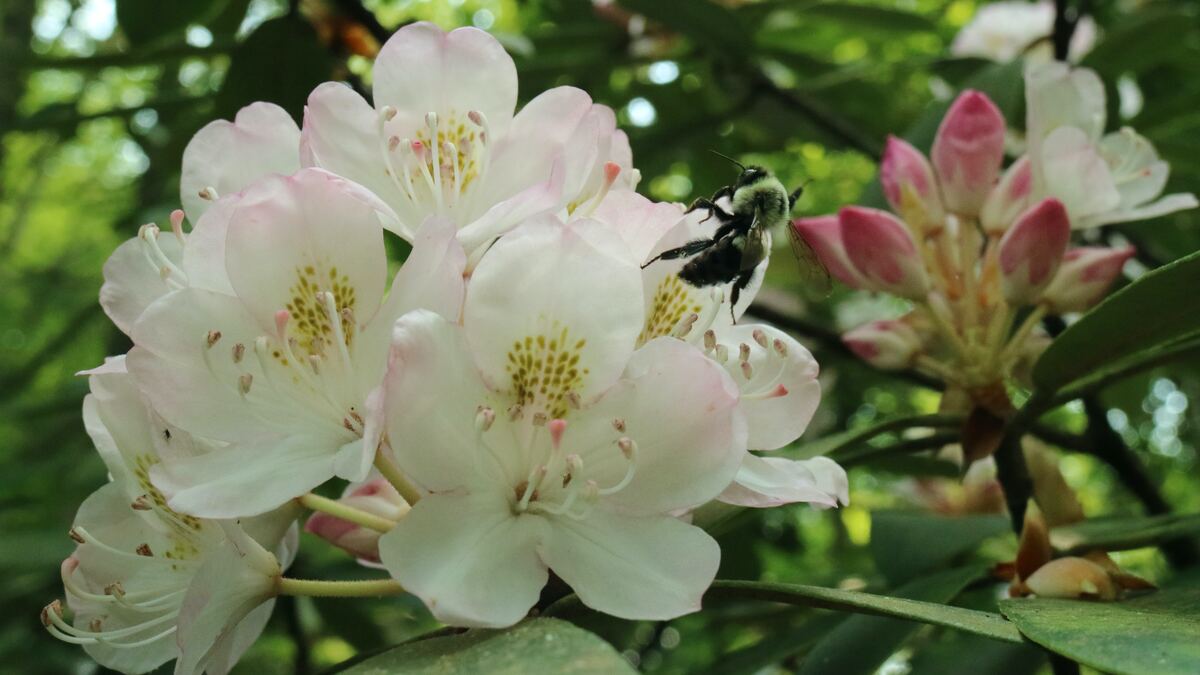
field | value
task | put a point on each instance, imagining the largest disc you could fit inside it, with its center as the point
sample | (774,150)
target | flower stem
(396,477)
(345,512)
(1014,344)
(339,589)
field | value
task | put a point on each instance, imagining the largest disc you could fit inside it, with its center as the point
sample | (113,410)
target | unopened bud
(888,344)
(883,251)
(909,185)
(968,152)
(1084,277)
(824,236)
(377,497)
(1009,199)
(1072,578)
(1031,251)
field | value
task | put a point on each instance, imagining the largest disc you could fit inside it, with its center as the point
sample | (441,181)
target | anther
(760,337)
(619,424)
(780,347)
(557,427)
(476,117)
(213,337)
(747,370)
(388,113)
(627,446)
(539,419)
(244,382)
(743,352)
(484,418)
(574,401)
(515,412)
(56,607)
(144,550)
(239,352)
(721,354)
(314,361)
(393,143)
(209,193)
(74,534)
(95,625)
(347,315)
(431,120)
(140,504)
(685,326)
(115,589)
(710,340)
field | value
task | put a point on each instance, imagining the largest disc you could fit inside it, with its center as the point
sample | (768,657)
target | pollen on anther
(619,424)
(144,550)
(213,337)
(760,337)
(780,347)
(74,534)
(747,370)
(743,352)
(244,382)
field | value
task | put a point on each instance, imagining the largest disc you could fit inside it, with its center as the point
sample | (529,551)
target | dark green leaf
(1124,533)
(710,25)
(1155,634)
(281,62)
(908,543)
(871,17)
(535,646)
(151,21)
(861,643)
(1143,41)
(1158,308)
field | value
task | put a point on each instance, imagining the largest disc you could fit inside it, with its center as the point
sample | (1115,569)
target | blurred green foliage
(98,99)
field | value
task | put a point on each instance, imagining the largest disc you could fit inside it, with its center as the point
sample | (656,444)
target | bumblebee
(758,202)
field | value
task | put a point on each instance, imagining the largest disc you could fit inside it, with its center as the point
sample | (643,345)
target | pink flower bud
(1072,578)
(824,235)
(1031,251)
(377,497)
(968,152)
(1011,196)
(909,184)
(1084,277)
(887,345)
(882,250)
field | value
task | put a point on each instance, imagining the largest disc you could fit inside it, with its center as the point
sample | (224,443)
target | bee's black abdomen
(719,264)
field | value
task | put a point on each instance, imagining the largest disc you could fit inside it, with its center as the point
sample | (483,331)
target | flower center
(545,370)
(760,364)
(436,168)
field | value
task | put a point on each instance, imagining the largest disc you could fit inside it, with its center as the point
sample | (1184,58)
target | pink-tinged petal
(228,156)
(779,391)
(1011,196)
(640,222)
(292,239)
(1077,175)
(468,558)
(422,69)
(886,344)
(549,294)
(537,200)
(1084,277)
(909,184)
(244,479)
(649,568)
(132,283)
(1162,207)
(234,580)
(968,151)
(764,482)
(341,136)
(375,496)
(824,235)
(882,250)
(1057,95)
(428,400)
(680,408)
(1031,251)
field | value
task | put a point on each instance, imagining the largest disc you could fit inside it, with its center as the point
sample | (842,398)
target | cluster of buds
(980,252)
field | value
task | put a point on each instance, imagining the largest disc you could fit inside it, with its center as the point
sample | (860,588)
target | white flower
(442,138)
(776,376)
(1101,179)
(545,441)
(221,160)
(280,334)
(147,584)
(1004,31)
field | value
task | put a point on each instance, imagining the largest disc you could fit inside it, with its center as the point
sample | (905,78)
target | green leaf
(1124,533)
(280,62)
(153,21)
(1155,634)
(908,543)
(980,623)
(1141,41)
(1160,307)
(534,646)
(871,17)
(708,24)
(861,643)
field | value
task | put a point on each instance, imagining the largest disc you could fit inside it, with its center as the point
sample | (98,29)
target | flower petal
(781,393)
(764,482)
(652,568)
(422,69)
(549,295)
(640,222)
(228,156)
(132,283)
(469,559)
(1076,174)
(680,408)
(1167,205)
(429,399)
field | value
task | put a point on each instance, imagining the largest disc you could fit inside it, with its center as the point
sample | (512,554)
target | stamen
(393,143)
(452,151)
(574,401)
(74,534)
(539,419)
(685,325)
(619,424)
(515,412)
(629,449)
(431,121)
(710,340)
(239,352)
(148,234)
(209,193)
(144,550)
(314,361)
(213,337)
(484,418)
(780,347)
(760,337)
(557,427)
(244,382)
(743,352)
(140,504)
(747,370)
(611,171)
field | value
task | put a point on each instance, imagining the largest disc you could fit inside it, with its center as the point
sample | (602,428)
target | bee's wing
(812,271)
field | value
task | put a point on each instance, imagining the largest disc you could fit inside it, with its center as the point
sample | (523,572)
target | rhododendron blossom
(147,584)
(1007,30)
(442,138)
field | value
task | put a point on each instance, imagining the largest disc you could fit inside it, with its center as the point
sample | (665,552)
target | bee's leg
(688,249)
(726,191)
(710,206)
(742,281)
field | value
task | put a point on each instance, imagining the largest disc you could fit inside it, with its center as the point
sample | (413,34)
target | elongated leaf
(861,643)
(1160,307)
(535,646)
(907,543)
(256,73)
(1155,634)
(1123,533)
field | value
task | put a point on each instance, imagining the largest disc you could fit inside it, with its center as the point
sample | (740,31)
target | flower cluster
(520,398)
(975,247)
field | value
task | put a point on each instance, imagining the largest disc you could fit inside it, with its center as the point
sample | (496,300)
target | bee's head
(750,175)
